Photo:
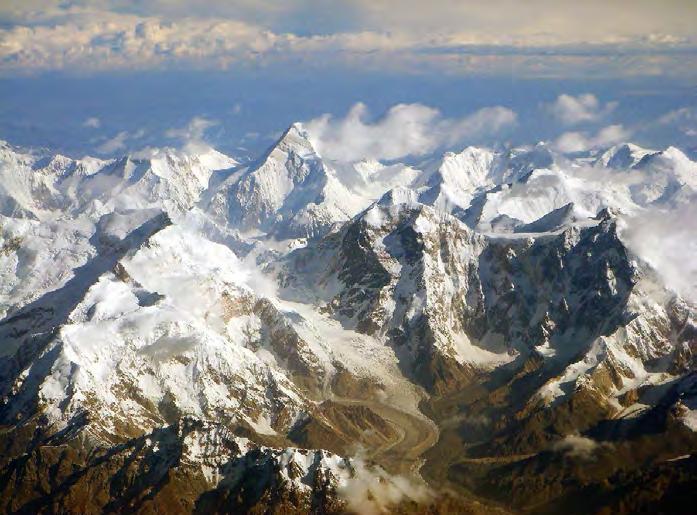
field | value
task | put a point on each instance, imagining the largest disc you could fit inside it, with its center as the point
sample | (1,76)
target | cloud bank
(535,20)
(457,37)
(405,130)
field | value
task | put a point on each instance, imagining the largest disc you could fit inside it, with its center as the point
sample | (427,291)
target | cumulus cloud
(405,130)
(572,110)
(93,122)
(571,142)
(663,239)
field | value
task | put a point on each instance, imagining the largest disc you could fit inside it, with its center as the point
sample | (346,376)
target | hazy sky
(116,75)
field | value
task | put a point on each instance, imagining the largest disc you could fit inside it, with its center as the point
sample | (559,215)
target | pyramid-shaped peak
(295,140)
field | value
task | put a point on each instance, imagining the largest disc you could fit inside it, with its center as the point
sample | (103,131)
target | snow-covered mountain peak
(559,218)
(50,186)
(456,177)
(399,195)
(520,161)
(57,164)
(467,170)
(295,140)
(206,155)
(290,192)
(624,155)
(672,159)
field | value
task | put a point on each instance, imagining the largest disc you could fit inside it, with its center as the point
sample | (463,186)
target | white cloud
(406,129)
(192,134)
(93,122)
(118,142)
(578,446)
(107,40)
(165,34)
(114,144)
(663,239)
(683,114)
(193,131)
(683,119)
(572,110)
(373,491)
(665,22)
(571,142)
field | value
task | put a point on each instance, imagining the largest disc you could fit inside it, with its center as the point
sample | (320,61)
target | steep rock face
(404,268)
(556,289)
(625,371)
(309,366)
(448,299)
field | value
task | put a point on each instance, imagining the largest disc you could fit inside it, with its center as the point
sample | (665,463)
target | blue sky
(107,77)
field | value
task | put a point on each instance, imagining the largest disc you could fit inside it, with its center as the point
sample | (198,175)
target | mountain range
(483,331)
